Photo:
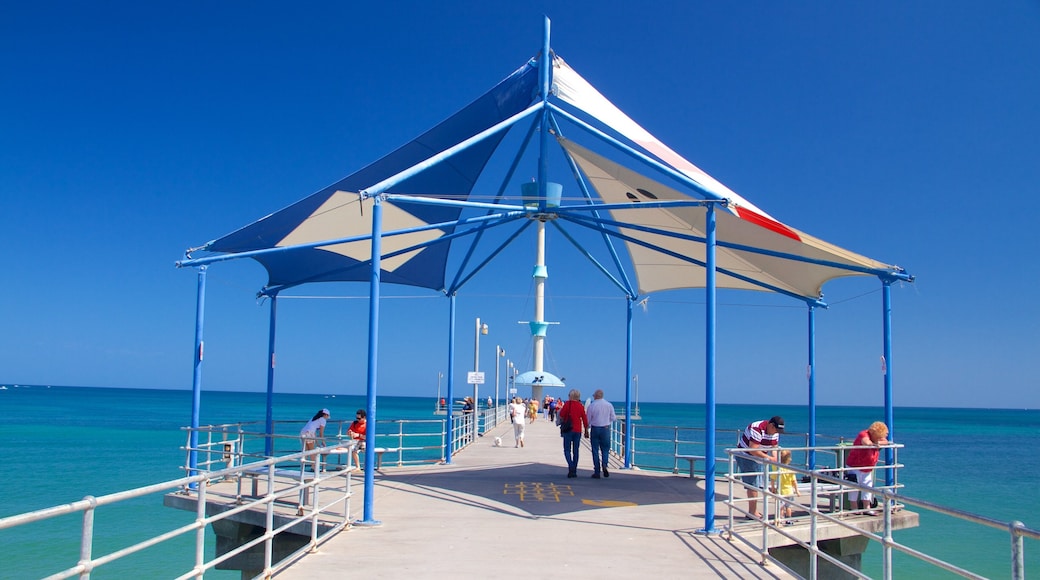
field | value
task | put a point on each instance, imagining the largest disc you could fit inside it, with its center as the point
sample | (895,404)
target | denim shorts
(745,464)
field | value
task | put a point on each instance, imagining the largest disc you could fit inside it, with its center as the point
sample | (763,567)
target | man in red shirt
(357,431)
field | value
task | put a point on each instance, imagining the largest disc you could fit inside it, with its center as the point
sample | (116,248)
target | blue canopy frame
(431,178)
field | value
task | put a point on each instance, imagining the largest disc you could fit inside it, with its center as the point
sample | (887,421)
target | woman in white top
(517,410)
(314,430)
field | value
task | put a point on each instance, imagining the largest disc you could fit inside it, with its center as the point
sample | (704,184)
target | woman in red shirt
(574,412)
(864,459)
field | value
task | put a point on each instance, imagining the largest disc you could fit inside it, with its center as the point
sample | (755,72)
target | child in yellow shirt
(787,483)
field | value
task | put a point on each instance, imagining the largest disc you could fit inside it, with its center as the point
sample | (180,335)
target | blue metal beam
(254,253)
(393,180)
(373,365)
(269,429)
(629,427)
(457,284)
(449,432)
(545,75)
(624,148)
(595,262)
(709,372)
(811,376)
(895,275)
(886,361)
(763,285)
(196,378)
(587,194)
(441,240)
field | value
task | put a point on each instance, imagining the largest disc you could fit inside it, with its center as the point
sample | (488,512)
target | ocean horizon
(62,443)
(465,391)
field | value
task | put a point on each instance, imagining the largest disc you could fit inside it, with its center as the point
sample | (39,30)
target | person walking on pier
(517,410)
(760,439)
(601,416)
(863,461)
(573,414)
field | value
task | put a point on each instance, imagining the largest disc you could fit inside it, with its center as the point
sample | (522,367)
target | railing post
(1018,564)
(886,547)
(87,537)
(200,534)
(814,557)
(400,444)
(675,449)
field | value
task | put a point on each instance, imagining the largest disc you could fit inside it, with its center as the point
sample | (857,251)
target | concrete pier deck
(509,512)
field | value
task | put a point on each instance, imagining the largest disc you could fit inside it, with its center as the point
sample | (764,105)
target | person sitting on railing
(314,430)
(865,459)
(357,431)
(756,436)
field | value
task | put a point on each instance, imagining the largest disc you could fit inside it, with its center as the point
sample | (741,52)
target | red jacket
(575,411)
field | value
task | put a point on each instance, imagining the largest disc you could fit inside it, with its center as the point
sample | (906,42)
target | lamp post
(509,373)
(481,329)
(440,376)
(516,371)
(500,353)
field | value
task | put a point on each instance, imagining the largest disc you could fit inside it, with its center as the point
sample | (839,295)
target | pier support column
(232,534)
(848,550)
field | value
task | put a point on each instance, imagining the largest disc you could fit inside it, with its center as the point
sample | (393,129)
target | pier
(513,511)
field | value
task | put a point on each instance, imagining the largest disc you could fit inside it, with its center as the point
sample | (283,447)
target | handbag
(565,424)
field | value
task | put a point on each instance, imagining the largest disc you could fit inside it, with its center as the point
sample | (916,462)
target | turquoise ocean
(59,444)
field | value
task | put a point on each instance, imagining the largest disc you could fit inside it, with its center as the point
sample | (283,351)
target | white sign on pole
(512,391)
(475,377)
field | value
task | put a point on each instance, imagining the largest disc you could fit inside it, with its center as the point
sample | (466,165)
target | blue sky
(907,132)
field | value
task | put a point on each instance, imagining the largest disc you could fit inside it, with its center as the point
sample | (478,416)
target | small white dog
(498,441)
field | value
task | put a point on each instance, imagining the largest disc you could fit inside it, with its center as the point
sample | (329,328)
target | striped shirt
(756,432)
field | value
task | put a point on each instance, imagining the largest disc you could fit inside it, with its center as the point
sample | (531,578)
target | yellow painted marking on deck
(608,503)
(538,491)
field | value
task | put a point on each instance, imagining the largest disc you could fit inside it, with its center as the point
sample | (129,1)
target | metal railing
(398,442)
(658,447)
(235,451)
(336,510)
(832,483)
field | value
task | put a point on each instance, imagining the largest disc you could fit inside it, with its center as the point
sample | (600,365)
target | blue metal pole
(886,293)
(812,385)
(545,68)
(448,431)
(709,370)
(373,360)
(269,442)
(628,386)
(196,380)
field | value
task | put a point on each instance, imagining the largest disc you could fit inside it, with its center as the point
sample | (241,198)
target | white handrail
(892,501)
(197,484)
